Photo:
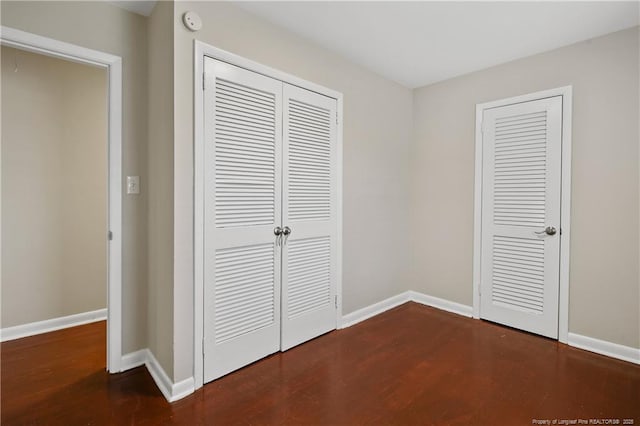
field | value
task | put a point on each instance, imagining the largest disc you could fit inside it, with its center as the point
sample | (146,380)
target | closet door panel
(243,186)
(310,211)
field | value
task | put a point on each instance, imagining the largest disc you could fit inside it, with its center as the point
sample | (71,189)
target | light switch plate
(133,184)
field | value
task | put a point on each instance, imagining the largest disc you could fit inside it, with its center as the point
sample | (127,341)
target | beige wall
(160,184)
(109,29)
(377,132)
(53,187)
(604,283)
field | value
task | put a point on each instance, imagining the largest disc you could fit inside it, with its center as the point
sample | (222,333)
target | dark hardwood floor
(413,365)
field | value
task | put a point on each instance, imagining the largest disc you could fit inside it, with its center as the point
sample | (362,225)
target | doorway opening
(61,188)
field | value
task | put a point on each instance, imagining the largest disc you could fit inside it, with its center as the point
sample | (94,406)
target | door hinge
(337,121)
(110,235)
(335,299)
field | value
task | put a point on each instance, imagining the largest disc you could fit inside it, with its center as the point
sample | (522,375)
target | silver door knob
(277,231)
(285,232)
(549,230)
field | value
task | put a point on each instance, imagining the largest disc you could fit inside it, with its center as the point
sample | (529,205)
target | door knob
(549,230)
(286,231)
(278,232)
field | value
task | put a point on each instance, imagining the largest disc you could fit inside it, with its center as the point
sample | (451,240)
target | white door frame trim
(200,51)
(565,203)
(113,64)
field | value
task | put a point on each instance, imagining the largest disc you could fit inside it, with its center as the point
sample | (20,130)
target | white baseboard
(603,347)
(408,296)
(39,327)
(443,304)
(372,310)
(163,381)
(133,359)
(171,391)
(183,388)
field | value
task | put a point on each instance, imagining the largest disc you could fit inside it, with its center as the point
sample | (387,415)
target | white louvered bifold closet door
(310,211)
(520,199)
(242,193)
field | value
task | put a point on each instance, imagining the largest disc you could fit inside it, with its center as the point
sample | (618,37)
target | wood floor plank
(412,365)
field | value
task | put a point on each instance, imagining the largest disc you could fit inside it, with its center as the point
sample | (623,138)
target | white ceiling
(416,43)
(419,43)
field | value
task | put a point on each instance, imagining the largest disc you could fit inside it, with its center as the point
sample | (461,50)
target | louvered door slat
(521,171)
(243,187)
(309,275)
(238,170)
(510,259)
(309,153)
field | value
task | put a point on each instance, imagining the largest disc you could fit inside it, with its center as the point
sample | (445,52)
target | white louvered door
(242,199)
(310,211)
(520,200)
(270,163)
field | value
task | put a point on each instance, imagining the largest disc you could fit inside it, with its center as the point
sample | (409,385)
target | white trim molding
(339,202)
(39,327)
(170,390)
(161,378)
(134,359)
(603,347)
(113,64)
(565,202)
(182,389)
(370,311)
(442,304)
(198,216)
(201,50)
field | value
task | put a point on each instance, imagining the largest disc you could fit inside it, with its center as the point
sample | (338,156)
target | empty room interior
(320,213)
